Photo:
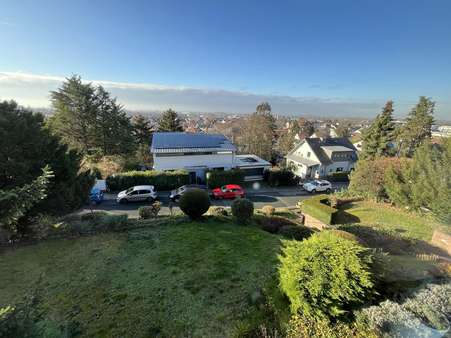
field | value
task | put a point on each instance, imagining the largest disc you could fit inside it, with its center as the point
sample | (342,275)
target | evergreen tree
(169,121)
(87,118)
(378,138)
(417,128)
(142,132)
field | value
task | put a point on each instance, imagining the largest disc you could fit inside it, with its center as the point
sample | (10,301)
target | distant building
(317,157)
(198,153)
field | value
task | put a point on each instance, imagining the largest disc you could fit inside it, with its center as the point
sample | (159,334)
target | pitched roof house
(321,157)
(198,152)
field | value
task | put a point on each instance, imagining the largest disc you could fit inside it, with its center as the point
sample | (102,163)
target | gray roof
(316,143)
(167,142)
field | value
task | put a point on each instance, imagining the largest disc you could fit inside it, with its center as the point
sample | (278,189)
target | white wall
(347,166)
(185,161)
(303,150)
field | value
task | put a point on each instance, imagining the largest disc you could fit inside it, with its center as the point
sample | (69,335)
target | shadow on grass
(343,217)
(263,199)
(392,242)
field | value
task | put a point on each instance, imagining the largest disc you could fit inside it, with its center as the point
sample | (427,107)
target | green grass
(189,279)
(386,217)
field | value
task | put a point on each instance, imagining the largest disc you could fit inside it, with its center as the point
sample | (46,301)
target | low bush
(277,177)
(325,275)
(218,178)
(338,177)
(242,210)
(306,327)
(268,210)
(419,316)
(45,226)
(93,216)
(218,211)
(149,211)
(297,232)
(161,180)
(316,207)
(194,203)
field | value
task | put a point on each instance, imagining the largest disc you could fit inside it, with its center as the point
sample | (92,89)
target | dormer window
(308,154)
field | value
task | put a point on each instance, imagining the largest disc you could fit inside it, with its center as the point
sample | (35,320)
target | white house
(198,152)
(316,157)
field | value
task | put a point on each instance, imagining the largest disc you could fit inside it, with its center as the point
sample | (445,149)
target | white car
(317,186)
(137,193)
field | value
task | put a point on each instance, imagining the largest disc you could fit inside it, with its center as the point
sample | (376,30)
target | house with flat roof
(198,153)
(321,157)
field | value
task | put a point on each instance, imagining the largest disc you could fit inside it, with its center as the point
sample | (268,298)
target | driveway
(281,197)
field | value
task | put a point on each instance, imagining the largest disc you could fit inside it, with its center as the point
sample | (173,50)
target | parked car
(317,186)
(96,195)
(229,191)
(177,193)
(137,193)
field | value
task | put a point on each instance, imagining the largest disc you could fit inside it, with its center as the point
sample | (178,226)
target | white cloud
(33,90)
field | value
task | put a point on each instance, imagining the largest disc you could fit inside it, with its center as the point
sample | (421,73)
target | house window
(308,154)
(339,169)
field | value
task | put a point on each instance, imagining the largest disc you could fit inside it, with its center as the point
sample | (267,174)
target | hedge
(316,207)
(161,180)
(280,177)
(217,178)
(338,177)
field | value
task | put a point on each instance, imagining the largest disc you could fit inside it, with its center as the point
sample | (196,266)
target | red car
(229,191)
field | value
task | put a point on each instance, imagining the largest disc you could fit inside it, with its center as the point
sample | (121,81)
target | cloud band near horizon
(33,90)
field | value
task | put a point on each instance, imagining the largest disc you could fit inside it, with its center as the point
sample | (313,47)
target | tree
(417,128)
(16,202)
(113,130)
(169,121)
(87,118)
(142,133)
(27,146)
(425,183)
(343,130)
(259,132)
(306,128)
(379,137)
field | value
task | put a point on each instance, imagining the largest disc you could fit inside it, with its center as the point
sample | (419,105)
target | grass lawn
(380,215)
(187,279)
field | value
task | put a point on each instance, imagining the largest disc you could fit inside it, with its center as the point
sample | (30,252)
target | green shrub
(338,177)
(115,222)
(297,232)
(242,210)
(280,177)
(149,211)
(161,180)
(218,178)
(306,327)
(268,210)
(316,207)
(325,276)
(194,203)
(95,216)
(218,211)
(45,226)
(98,222)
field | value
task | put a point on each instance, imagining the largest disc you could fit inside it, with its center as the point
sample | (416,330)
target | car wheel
(313,191)
(328,190)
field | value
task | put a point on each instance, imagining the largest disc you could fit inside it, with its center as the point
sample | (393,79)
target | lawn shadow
(343,217)
(393,242)
(263,199)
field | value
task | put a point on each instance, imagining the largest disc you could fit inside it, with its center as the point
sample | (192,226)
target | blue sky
(316,57)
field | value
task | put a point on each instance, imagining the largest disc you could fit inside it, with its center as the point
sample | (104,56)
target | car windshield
(129,190)
(314,183)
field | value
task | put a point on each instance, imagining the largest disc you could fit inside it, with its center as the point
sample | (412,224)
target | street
(281,197)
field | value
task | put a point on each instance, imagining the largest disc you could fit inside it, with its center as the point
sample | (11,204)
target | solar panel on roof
(187,140)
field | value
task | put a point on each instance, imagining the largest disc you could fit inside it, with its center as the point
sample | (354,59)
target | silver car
(137,193)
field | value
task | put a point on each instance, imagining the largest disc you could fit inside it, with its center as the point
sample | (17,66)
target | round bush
(325,275)
(194,203)
(150,211)
(268,210)
(297,232)
(242,210)
(217,211)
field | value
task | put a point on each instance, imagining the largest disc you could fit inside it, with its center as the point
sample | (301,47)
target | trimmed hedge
(280,177)
(316,207)
(194,203)
(218,178)
(338,177)
(242,210)
(161,180)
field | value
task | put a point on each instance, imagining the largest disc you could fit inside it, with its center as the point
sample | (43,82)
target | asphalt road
(277,197)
